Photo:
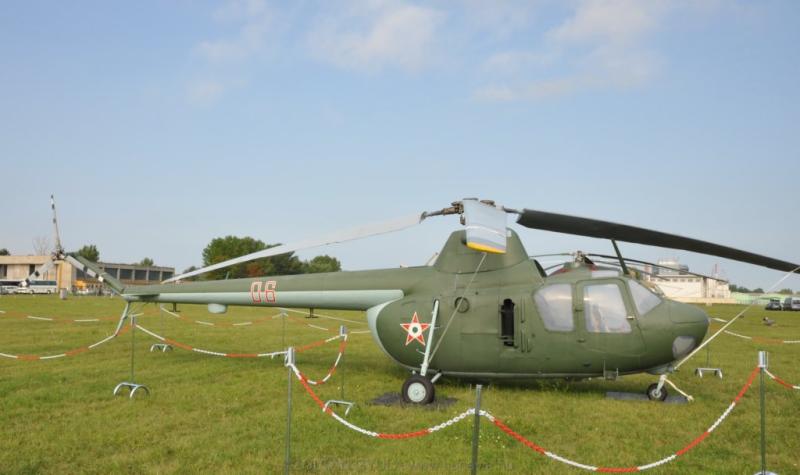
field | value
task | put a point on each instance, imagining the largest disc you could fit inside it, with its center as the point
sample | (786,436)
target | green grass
(226,415)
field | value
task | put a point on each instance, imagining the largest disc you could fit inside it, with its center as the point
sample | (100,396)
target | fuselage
(498,315)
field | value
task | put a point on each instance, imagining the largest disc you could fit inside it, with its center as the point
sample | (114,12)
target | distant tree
(786,291)
(322,264)
(147,262)
(41,245)
(229,247)
(4,252)
(222,249)
(758,290)
(89,252)
(189,269)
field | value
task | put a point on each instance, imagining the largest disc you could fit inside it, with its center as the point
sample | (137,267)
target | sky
(161,125)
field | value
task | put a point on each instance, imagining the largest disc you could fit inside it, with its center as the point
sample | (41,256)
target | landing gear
(418,390)
(654,393)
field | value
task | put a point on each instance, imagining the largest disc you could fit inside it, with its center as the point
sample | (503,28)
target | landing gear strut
(418,390)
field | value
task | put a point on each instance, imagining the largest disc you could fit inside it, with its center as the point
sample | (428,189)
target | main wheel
(418,390)
(654,394)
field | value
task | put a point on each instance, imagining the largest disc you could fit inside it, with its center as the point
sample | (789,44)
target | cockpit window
(644,299)
(555,306)
(604,309)
(598,274)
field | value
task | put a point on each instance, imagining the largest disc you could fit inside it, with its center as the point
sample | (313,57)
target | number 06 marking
(263,292)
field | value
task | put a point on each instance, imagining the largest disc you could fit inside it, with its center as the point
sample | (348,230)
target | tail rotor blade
(41,271)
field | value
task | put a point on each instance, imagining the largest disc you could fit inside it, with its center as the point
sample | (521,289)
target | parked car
(774,304)
(791,303)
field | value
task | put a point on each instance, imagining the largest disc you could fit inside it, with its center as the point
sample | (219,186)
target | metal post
(762,365)
(287,457)
(283,334)
(342,333)
(133,342)
(476,429)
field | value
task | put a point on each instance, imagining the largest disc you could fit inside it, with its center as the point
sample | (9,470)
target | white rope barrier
(73,352)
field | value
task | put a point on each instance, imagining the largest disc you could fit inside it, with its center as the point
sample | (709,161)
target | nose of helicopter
(691,326)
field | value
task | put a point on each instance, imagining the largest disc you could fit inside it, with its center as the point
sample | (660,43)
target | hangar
(14,269)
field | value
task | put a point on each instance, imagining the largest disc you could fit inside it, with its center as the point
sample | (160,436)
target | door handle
(581,340)
(631,317)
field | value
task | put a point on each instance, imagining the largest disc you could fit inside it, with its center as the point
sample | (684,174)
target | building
(678,284)
(17,268)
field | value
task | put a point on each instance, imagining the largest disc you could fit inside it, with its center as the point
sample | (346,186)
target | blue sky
(160,125)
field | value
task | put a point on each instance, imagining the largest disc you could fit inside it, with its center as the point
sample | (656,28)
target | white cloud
(254,21)
(610,21)
(501,18)
(378,34)
(602,44)
(204,92)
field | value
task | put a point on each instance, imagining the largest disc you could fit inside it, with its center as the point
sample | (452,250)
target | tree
(322,264)
(758,290)
(4,252)
(786,291)
(229,247)
(146,262)
(41,245)
(190,269)
(90,253)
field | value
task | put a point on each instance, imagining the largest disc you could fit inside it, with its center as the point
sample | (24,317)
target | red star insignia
(414,330)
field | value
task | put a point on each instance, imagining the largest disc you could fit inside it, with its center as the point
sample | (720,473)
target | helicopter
(483,310)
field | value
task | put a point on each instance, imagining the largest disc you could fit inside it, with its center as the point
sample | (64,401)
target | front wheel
(654,394)
(418,390)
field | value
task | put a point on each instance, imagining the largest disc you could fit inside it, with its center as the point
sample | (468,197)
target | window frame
(635,307)
(630,308)
(573,292)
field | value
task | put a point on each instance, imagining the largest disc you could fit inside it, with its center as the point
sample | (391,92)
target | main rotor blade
(342,236)
(563,223)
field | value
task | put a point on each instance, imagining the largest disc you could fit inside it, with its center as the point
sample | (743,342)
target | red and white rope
(342,346)
(781,382)
(528,443)
(209,352)
(379,435)
(217,324)
(74,352)
(762,339)
(240,324)
(58,320)
(271,354)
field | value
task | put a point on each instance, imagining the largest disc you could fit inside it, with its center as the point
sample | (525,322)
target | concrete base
(643,397)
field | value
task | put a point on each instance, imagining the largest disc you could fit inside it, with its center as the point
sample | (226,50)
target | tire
(418,390)
(656,396)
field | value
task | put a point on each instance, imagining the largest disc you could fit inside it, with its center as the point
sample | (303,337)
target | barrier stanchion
(762,367)
(476,429)
(289,365)
(131,385)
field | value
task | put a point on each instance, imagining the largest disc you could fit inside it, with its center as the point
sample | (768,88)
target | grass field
(211,414)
